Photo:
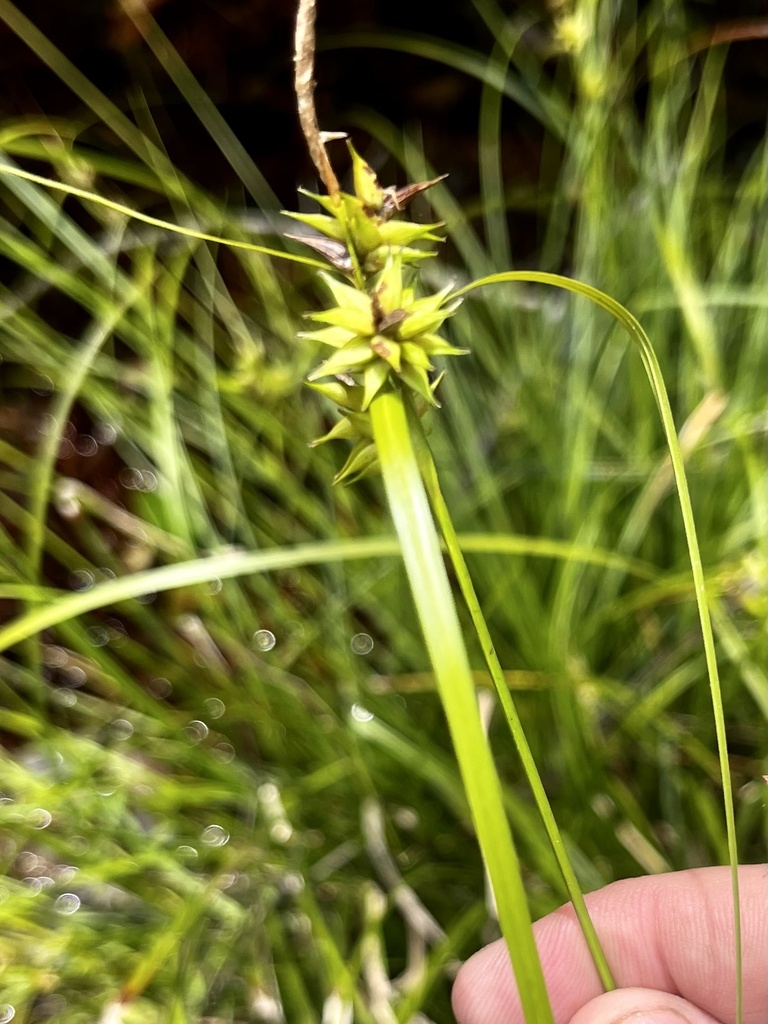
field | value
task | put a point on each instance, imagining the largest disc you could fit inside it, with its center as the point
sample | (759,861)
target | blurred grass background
(235,800)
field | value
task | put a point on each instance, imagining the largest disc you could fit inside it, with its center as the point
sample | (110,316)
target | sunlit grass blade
(651,364)
(442,633)
(186,574)
(145,218)
(63,607)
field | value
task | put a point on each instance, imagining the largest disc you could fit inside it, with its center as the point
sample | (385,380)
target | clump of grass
(237,798)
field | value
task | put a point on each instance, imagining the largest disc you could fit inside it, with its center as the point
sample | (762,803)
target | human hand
(669,942)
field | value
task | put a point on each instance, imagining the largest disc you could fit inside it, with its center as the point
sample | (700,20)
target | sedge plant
(384,340)
(381,374)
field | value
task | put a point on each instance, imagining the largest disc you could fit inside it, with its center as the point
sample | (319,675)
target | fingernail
(662,1015)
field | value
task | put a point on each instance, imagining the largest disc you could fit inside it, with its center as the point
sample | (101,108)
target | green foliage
(257,810)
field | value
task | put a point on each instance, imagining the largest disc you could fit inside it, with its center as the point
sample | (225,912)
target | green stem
(440,624)
(145,218)
(429,474)
(635,331)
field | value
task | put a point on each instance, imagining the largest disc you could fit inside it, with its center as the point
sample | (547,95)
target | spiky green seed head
(381,334)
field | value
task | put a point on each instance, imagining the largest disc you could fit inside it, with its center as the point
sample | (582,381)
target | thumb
(640,1006)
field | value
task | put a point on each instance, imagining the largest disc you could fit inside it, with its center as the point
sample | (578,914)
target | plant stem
(304,61)
(429,475)
(439,621)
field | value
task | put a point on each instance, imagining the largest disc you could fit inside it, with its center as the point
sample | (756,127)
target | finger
(640,1006)
(672,933)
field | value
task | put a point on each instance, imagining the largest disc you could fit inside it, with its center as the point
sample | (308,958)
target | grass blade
(543,805)
(651,364)
(439,622)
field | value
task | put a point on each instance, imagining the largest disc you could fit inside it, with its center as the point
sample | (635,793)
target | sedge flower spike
(382,334)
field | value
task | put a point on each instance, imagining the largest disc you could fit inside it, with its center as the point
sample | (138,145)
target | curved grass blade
(61,607)
(652,368)
(186,574)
